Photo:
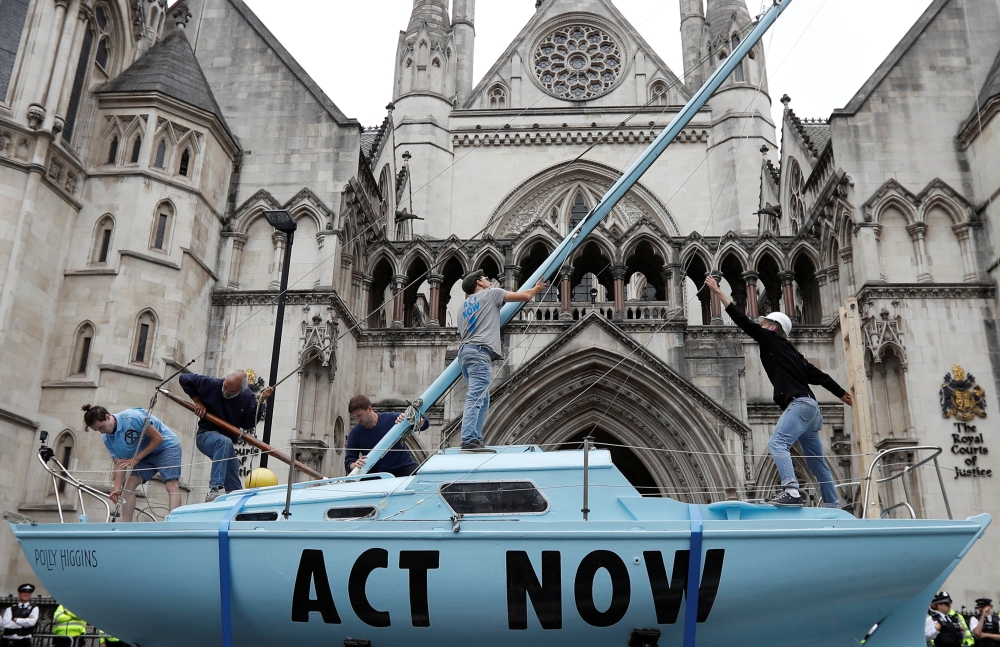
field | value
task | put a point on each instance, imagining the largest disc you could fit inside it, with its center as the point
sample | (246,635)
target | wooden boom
(237,434)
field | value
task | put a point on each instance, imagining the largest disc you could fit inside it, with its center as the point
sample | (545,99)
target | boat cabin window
(258,516)
(352,512)
(494,497)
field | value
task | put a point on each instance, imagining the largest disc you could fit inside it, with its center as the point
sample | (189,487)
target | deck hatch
(352,512)
(494,497)
(257,516)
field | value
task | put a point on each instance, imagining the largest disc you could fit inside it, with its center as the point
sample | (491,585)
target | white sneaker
(213,494)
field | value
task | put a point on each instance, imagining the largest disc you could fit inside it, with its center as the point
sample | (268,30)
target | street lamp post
(282,221)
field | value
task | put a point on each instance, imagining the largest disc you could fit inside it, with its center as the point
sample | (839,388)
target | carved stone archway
(691,451)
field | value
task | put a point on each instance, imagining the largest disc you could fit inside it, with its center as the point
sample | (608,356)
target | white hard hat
(782,320)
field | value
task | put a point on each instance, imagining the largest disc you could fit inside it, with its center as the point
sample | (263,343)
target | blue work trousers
(225,465)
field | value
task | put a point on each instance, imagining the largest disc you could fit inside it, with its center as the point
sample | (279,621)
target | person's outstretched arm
(738,316)
(524,295)
(818,377)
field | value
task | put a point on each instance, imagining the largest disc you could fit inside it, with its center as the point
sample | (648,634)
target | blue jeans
(801,422)
(225,465)
(477,369)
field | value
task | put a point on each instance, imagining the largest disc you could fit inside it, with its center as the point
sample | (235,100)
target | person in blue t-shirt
(155,449)
(369,430)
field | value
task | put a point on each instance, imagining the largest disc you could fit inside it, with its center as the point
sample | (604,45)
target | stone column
(366,290)
(398,283)
(847,258)
(41,76)
(64,16)
(918,232)
(565,292)
(618,274)
(964,233)
(278,241)
(511,273)
(833,292)
(674,281)
(751,286)
(434,305)
(788,292)
(822,281)
(867,269)
(715,303)
(84,16)
(239,241)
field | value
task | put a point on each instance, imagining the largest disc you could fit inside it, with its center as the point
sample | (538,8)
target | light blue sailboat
(519,547)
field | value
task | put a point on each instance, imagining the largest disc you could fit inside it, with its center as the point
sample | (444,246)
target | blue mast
(575,237)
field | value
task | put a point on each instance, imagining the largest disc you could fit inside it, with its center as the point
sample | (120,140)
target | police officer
(18,622)
(66,626)
(945,627)
(985,625)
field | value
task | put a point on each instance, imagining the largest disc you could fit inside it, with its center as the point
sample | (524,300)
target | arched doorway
(667,437)
(627,462)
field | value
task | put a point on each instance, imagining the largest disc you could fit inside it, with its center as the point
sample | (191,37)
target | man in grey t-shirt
(479,329)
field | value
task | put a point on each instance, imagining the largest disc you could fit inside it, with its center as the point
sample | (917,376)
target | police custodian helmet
(26,588)
(941,598)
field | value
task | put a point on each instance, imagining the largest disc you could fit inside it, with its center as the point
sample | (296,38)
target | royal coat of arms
(961,396)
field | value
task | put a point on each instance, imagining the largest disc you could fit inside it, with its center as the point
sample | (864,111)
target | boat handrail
(907,470)
(45,455)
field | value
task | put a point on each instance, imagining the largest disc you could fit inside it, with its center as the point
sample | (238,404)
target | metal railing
(45,456)
(909,469)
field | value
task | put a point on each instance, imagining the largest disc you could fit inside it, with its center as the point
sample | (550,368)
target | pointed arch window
(142,345)
(498,97)
(738,76)
(82,346)
(658,94)
(78,82)
(185,162)
(103,234)
(136,149)
(162,222)
(63,447)
(578,212)
(161,154)
(113,150)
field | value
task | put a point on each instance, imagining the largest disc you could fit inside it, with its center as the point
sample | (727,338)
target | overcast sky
(820,52)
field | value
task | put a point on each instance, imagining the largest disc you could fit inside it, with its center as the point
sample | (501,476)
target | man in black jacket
(790,375)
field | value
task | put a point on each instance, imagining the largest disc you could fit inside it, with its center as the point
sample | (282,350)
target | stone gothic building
(141,143)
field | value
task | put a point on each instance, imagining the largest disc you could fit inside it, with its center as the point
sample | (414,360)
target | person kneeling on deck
(371,427)
(158,451)
(790,375)
(479,329)
(230,399)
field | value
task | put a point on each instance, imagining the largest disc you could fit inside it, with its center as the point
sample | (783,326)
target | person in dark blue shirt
(370,429)
(231,400)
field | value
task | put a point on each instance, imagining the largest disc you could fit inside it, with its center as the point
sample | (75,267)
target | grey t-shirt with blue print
(479,321)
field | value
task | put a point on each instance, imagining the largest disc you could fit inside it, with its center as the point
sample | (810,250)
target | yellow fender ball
(261,477)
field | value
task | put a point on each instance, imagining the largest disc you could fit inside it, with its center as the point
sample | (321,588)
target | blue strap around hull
(693,578)
(224,571)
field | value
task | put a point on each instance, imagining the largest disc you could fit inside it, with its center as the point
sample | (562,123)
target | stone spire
(463,30)
(693,42)
(720,17)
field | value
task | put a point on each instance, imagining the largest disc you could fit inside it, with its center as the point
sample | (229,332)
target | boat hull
(797,583)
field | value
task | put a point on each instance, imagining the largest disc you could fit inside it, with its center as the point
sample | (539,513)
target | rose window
(578,62)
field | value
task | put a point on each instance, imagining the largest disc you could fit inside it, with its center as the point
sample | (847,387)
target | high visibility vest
(66,623)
